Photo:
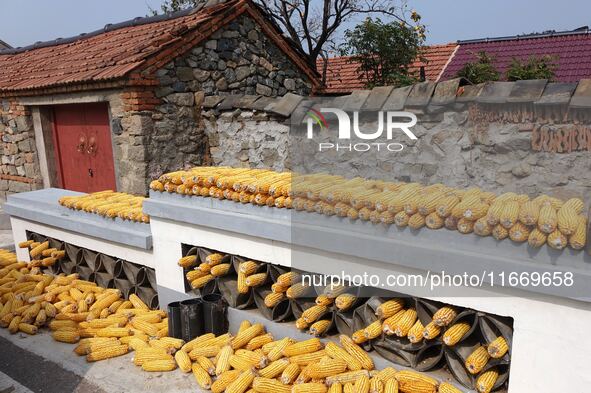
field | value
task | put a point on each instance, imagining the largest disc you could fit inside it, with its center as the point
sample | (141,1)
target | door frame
(44,127)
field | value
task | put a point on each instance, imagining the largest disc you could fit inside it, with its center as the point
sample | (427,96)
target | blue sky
(23,22)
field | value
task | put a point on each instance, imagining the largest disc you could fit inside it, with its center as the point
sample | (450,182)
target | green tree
(384,51)
(481,70)
(543,67)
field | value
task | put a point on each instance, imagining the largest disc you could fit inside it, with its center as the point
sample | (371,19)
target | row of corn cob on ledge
(103,326)
(538,221)
(108,204)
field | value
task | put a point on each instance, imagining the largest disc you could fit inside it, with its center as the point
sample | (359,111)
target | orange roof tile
(112,55)
(343,75)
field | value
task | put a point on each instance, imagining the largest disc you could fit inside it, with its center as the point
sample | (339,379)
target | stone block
(446,91)
(397,99)
(182,99)
(17,186)
(201,75)
(527,91)
(355,100)
(495,92)
(212,101)
(421,94)
(263,90)
(184,74)
(31,171)
(582,96)
(377,98)
(557,94)
(24,146)
(469,93)
(285,105)
(3,185)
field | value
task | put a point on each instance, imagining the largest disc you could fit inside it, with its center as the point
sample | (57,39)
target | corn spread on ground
(538,221)
(250,360)
(108,204)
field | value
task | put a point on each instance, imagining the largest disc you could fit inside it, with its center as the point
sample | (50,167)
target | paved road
(23,371)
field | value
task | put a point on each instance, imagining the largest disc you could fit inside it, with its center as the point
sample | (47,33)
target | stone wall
(462,144)
(19,169)
(247,139)
(237,59)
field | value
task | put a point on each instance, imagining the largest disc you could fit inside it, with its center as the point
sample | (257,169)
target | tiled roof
(572,48)
(342,75)
(111,55)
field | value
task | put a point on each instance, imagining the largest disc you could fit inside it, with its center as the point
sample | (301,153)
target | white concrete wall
(549,351)
(131,254)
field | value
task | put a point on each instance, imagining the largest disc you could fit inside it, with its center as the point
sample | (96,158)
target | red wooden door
(84,152)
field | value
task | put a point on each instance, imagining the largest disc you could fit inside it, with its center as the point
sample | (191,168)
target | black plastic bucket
(175,328)
(215,318)
(191,318)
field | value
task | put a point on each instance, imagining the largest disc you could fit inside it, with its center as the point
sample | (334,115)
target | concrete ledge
(427,250)
(42,206)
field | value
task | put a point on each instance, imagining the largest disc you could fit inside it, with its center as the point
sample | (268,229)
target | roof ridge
(580,31)
(137,21)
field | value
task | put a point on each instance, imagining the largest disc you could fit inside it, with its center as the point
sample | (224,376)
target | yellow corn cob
(311,387)
(336,352)
(242,383)
(386,373)
(290,373)
(357,352)
(249,267)
(401,219)
(487,380)
(373,330)
(193,275)
(434,221)
(444,316)
(276,351)
(148,328)
(557,240)
(579,238)
(324,300)
(548,219)
(35,252)
(114,332)
(376,385)
(359,337)
(275,368)
(159,365)
(416,221)
(389,308)
(257,358)
(477,360)
(245,336)
(66,336)
(241,283)
(14,323)
(201,281)
(537,238)
(312,314)
(326,368)
(25,244)
(362,384)
(482,227)
(498,348)
(259,341)
(390,323)
(107,353)
(319,328)
(220,270)
(415,334)
(223,360)
(188,261)
(406,321)
(268,385)
(302,347)
(183,361)
(408,378)
(273,299)
(244,325)
(138,303)
(475,211)
(431,331)
(499,232)
(391,386)
(288,279)
(567,219)
(519,233)
(447,387)
(197,341)
(345,301)
(529,213)
(465,226)
(203,378)
(207,351)
(348,388)
(148,354)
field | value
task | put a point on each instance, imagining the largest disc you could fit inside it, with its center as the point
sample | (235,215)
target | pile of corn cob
(105,326)
(108,204)
(538,221)
(42,254)
(202,273)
